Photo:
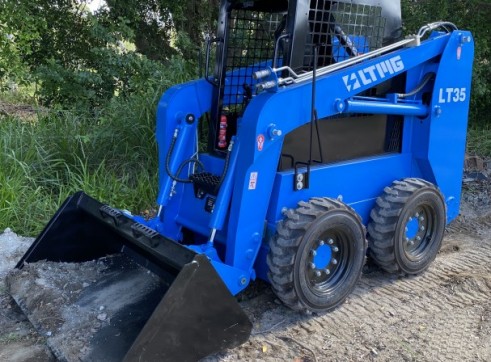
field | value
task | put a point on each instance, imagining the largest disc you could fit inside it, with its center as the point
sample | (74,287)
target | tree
(474,15)
(166,27)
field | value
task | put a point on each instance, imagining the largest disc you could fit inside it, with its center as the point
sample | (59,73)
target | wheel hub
(323,261)
(417,232)
(323,255)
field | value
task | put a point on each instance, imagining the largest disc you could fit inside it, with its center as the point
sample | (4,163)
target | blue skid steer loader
(329,138)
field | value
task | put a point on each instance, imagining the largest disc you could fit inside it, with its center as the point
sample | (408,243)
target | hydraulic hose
(419,88)
(181,166)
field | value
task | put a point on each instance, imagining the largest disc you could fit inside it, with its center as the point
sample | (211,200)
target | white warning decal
(253,181)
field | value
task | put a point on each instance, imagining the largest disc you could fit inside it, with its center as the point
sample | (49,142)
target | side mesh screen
(252,37)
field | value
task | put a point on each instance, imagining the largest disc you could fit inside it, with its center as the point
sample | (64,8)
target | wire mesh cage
(341,30)
(252,37)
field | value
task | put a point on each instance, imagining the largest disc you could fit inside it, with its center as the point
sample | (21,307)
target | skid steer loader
(328,137)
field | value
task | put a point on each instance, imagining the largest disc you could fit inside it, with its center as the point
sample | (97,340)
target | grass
(10,338)
(22,94)
(109,152)
(479,140)
(112,156)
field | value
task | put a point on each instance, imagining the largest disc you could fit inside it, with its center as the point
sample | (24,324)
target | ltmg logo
(373,73)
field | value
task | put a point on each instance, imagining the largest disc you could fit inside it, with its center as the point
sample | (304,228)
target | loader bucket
(186,316)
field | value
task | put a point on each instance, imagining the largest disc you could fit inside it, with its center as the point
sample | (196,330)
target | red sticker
(260,142)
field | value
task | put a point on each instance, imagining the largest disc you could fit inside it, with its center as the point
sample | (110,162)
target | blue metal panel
(448,127)
(190,98)
(223,200)
(358,183)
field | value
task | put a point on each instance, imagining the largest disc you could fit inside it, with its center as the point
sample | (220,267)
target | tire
(406,226)
(325,232)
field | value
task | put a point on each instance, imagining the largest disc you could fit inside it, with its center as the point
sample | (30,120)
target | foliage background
(474,15)
(99,77)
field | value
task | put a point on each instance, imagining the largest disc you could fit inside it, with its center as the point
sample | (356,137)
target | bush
(110,153)
(473,15)
(110,74)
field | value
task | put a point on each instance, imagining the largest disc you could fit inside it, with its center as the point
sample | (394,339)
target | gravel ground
(441,315)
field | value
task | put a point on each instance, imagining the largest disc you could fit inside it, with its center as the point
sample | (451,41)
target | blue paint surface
(412,228)
(323,256)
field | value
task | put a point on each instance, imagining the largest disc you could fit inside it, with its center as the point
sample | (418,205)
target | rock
(102,316)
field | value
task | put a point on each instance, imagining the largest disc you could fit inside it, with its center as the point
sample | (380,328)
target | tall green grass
(111,155)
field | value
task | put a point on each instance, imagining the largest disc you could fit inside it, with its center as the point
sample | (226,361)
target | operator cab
(254,35)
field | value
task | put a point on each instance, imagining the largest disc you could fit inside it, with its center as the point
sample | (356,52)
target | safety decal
(260,142)
(459,53)
(253,181)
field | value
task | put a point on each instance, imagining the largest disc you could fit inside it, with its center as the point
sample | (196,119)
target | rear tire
(406,226)
(317,255)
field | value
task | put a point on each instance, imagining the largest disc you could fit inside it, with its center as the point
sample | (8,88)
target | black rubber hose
(181,166)
(185,163)
(192,160)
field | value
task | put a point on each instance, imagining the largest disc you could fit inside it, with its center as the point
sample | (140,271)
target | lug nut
(334,261)
(318,273)
(330,241)
(313,252)
(417,214)
(410,242)
(406,229)
(418,238)
(422,228)
(321,242)
(335,249)
(312,266)
(327,271)
(421,218)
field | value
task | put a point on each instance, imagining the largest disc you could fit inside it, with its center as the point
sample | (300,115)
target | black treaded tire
(335,233)
(406,226)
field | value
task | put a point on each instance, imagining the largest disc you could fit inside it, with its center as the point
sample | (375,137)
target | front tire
(406,226)
(317,255)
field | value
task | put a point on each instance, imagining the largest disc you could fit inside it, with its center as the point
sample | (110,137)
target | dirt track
(442,315)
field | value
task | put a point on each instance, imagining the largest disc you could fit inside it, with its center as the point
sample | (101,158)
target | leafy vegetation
(479,141)
(42,163)
(474,15)
(101,75)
